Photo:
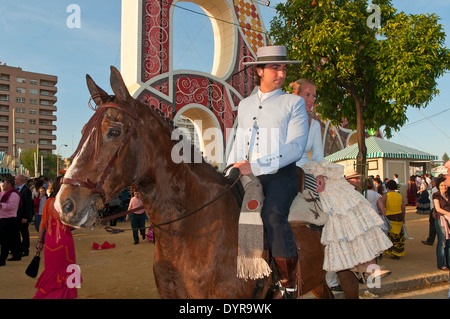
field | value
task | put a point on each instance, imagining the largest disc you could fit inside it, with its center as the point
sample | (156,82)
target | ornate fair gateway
(209,100)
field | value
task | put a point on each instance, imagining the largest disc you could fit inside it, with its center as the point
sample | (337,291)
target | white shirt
(272,131)
(372,197)
(314,144)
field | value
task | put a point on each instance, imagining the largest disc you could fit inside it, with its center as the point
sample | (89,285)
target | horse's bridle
(96,188)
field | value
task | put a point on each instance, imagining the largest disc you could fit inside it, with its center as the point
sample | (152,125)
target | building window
(33,91)
(21,90)
(20,110)
(20,130)
(20,100)
(33,132)
(20,141)
(33,112)
(34,82)
(32,142)
(21,80)
(20,121)
(33,101)
(32,121)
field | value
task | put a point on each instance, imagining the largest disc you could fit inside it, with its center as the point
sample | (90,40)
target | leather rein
(115,216)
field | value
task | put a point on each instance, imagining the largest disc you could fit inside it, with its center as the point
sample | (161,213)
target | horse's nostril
(67,206)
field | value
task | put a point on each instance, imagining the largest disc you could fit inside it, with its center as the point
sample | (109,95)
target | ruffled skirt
(352,234)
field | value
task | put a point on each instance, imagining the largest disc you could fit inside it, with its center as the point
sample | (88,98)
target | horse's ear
(118,85)
(97,93)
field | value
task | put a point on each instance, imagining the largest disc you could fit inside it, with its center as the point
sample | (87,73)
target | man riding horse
(271,136)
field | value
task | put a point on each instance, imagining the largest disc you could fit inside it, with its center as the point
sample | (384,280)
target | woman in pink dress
(59,252)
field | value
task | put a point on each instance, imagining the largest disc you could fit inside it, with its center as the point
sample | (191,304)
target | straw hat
(351,173)
(271,54)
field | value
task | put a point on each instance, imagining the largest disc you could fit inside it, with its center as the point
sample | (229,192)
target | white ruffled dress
(352,234)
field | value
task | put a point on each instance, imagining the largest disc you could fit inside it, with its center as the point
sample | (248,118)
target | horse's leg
(322,291)
(349,284)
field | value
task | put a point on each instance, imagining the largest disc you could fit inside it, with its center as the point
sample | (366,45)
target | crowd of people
(31,201)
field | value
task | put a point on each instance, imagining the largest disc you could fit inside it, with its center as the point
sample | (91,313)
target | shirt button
(260,107)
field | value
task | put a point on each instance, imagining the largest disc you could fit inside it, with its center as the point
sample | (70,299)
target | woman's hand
(320,182)
(39,246)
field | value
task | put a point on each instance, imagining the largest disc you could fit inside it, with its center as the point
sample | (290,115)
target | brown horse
(128,143)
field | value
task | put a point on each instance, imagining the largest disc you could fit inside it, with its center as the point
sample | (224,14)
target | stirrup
(287,293)
(361,273)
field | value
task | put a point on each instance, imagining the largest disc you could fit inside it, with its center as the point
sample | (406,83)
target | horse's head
(107,158)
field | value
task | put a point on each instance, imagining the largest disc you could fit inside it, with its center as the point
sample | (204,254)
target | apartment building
(27,110)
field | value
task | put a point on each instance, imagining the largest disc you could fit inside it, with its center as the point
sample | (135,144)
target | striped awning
(377,147)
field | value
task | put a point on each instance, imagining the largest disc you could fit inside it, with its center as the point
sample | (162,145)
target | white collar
(262,96)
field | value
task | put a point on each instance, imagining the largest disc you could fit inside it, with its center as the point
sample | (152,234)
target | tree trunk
(362,149)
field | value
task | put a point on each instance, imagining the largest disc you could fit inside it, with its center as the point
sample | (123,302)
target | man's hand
(244,167)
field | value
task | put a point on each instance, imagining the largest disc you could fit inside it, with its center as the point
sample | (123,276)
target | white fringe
(252,268)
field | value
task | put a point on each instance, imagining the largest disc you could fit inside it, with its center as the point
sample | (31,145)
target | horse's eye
(114,133)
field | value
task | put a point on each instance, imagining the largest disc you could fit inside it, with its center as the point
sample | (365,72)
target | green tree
(49,168)
(366,75)
(445,158)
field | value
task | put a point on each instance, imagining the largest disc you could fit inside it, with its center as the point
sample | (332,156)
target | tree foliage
(445,158)
(49,167)
(369,76)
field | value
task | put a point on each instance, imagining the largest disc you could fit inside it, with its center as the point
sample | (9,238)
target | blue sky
(34,36)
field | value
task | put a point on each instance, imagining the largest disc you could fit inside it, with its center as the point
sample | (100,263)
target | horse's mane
(170,127)
(93,126)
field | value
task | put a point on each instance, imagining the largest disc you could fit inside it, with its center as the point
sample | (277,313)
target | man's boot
(286,270)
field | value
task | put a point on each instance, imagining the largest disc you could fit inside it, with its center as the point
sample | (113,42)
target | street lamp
(57,160)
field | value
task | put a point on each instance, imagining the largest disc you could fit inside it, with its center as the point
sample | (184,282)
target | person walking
(432,219)
(423,202)
(137,217)
(59,252)
(24,214)
(442,222)
(412,191)
(9,231)
(392,205)
(39,203)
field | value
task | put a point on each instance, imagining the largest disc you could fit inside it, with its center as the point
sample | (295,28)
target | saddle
(239,191)
(305,208)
